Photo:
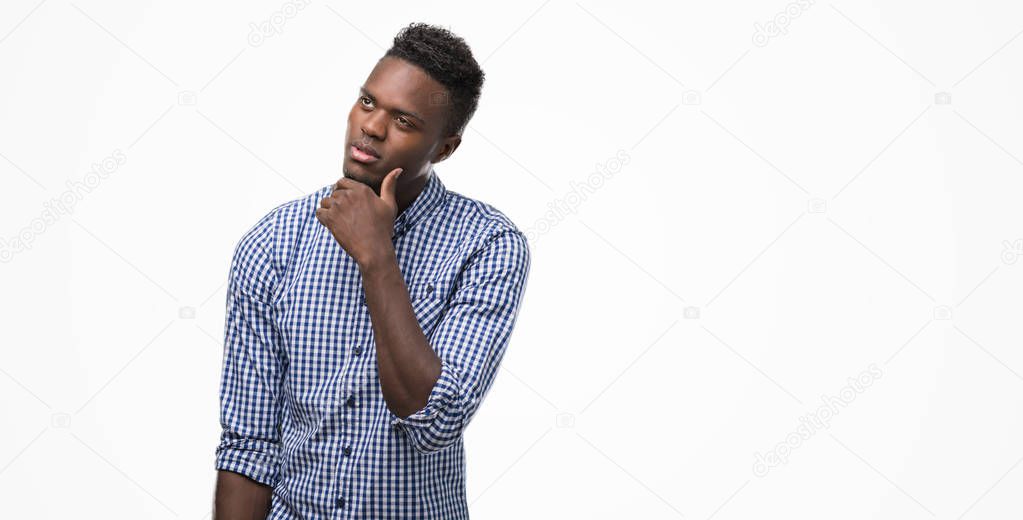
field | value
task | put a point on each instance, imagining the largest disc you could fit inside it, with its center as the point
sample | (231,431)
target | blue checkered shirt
(301,404)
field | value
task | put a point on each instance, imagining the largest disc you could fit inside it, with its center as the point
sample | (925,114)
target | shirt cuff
(443,395)
(254,459)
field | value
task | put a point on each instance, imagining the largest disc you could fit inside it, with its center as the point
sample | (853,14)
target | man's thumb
(389,187)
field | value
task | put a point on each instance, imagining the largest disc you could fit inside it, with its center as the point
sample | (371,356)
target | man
(366,321)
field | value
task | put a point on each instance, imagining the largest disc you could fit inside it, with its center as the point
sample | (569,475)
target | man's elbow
(437,437)
(435,430)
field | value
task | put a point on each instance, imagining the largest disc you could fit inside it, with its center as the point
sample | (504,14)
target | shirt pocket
(427,303)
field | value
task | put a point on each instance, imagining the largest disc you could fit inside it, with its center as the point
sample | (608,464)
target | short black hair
(449,61)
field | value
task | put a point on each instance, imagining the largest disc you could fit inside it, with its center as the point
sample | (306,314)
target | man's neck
(408,193)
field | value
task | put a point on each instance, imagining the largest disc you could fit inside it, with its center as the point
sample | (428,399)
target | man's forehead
(399,83)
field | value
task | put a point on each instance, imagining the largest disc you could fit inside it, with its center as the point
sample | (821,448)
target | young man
(366,321)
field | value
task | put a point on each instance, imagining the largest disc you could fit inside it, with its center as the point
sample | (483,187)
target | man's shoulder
(489,239)
(478,220)
(280,227)
(299,209)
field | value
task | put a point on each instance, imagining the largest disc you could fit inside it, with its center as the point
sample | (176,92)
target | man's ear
(447,148)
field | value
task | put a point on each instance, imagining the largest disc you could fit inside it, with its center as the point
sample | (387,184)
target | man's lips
(362,156)
(364,153)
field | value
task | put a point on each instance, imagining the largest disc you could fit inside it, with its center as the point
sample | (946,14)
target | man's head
(412,109)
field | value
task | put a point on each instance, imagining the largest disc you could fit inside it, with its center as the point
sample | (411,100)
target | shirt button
(347,451)
(340,502)
(350,402)
(357,351)
(362,300)
(429,288)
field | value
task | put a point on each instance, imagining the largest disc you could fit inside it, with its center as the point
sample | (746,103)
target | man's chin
(362,177)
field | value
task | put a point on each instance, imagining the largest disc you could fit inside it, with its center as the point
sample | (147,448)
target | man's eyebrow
(398,110)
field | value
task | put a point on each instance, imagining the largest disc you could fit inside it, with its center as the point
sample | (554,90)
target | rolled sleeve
(253,366)
(471,340)
(254,458)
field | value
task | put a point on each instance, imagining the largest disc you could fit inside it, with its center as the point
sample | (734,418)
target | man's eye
(404,121)
(365,101)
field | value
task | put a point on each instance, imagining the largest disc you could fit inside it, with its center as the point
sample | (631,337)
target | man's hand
(360,221)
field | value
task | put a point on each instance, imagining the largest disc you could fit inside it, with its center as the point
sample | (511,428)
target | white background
(814,198)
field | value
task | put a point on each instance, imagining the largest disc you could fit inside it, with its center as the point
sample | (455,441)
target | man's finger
(389,188)
(346,184)
(340,195)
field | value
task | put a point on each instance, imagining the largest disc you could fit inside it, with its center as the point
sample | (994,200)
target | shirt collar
(428,199)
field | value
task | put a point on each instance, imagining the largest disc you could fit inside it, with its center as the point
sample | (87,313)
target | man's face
(397,121)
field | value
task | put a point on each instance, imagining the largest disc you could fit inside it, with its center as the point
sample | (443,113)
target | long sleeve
(470,340)
(254,363)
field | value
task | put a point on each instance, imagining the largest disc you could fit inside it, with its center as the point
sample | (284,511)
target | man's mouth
(364,153)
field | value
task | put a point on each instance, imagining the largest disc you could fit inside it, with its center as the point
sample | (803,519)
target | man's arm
(408,366)
(431,387)
(248,456)
(240,498)
(362,223)
(436,386)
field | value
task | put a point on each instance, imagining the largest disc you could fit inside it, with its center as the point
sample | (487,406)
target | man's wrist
(379,261)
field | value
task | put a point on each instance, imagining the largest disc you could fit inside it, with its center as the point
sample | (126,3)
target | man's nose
(375,125)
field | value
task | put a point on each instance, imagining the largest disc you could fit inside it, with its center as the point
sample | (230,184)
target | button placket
(342,464)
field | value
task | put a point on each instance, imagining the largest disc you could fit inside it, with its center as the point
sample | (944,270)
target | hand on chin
(367,179)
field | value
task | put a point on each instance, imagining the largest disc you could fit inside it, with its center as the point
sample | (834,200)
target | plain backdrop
(797,296)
